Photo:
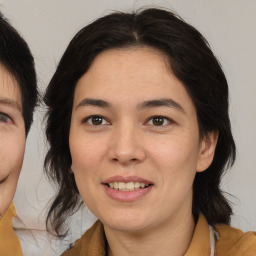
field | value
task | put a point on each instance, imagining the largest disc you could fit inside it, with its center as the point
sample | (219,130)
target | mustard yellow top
(9,242)
(229,241)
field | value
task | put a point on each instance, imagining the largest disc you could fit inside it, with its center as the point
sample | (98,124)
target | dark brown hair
(192,62)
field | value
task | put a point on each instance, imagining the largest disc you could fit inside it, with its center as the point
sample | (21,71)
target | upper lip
(126,179)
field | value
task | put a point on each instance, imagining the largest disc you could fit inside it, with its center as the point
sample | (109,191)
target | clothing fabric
(228,241)
(233,242)
(9,242)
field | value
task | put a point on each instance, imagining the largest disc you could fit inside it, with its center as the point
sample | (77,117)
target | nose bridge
(125,145)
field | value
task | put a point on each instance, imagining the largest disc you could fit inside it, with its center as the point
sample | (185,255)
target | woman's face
(12,138)
(134,140)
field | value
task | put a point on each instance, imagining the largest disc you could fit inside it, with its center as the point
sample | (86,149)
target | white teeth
(137,185)
(130,186)
(115,185)
(121,186)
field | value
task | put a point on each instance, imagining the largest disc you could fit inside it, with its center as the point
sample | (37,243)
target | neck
(171,238)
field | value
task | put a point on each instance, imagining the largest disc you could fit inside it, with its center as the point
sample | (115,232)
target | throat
(162,241)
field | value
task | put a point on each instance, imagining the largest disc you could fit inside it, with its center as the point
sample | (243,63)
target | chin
(126,221)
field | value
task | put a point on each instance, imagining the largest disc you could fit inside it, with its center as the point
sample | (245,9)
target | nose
(126,145)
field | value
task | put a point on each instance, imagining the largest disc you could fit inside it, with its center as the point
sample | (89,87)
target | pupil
(96,120)
(158,121)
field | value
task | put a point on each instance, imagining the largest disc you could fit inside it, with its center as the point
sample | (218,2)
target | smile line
(3,180)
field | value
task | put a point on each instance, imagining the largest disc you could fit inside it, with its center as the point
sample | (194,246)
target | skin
(12,138)
(129,141)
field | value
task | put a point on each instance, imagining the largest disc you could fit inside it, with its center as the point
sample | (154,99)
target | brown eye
(159,121)
(97,120)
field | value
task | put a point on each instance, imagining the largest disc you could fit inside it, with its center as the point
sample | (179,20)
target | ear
(207,149)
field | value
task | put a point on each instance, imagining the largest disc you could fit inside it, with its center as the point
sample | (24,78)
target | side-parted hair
(192,62)
(16,57)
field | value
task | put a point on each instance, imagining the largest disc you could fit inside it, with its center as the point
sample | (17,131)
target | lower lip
(127,196)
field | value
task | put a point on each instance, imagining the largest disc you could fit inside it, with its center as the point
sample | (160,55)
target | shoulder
(91,243)
(9,242)
(234,242)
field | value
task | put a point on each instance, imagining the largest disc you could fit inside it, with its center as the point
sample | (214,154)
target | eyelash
(5,118)
(89,120)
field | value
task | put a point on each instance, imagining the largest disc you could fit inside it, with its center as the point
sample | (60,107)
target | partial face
(134,140)
(12,138)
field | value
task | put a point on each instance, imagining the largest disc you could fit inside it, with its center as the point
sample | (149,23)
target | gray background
(48,26)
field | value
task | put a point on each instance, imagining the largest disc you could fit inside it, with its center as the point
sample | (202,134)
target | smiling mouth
(127,186)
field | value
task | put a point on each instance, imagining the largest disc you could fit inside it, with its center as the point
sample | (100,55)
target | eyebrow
(146,104)
(161,103)
(93,102)
(11,103)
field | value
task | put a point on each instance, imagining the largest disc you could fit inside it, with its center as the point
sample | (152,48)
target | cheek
(11,154)
(85,162)
(176,161)
(11,158)
(86,153)
(176,152)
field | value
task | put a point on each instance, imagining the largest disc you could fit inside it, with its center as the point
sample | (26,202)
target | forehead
(9,88)
(121,63)
(129,74)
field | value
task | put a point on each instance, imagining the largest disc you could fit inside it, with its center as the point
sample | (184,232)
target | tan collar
(200,244)
(9,242)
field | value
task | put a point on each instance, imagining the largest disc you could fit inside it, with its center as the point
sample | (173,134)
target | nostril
(116,159)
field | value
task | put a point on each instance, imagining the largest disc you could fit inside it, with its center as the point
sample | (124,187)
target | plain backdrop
(48,26)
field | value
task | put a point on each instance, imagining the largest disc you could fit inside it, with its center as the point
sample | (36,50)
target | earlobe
(207,150)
